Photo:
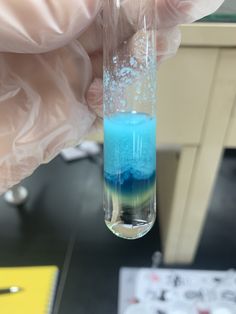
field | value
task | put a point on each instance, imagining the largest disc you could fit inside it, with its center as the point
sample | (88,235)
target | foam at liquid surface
(130,146)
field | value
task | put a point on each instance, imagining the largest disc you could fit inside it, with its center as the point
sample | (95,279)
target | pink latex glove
(51,69)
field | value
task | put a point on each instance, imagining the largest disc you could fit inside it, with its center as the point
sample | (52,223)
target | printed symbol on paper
(154,277)
(229,295)
(194,295)
(218,280)
(176,281)
(163,295)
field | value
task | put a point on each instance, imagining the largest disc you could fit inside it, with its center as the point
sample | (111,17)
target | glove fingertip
(94,97)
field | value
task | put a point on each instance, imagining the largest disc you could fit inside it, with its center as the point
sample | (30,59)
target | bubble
(133,61)
(125,71)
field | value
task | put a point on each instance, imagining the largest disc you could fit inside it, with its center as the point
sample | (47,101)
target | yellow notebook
(38,288)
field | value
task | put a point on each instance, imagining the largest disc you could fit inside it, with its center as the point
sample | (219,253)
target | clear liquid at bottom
(130,174)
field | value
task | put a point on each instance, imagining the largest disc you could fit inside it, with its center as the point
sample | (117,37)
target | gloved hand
(51,69)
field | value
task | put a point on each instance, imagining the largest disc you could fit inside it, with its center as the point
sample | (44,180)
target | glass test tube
(130,96)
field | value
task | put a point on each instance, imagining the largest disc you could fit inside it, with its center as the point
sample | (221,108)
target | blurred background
(61,223)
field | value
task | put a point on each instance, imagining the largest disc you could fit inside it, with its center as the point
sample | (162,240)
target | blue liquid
(130,172)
